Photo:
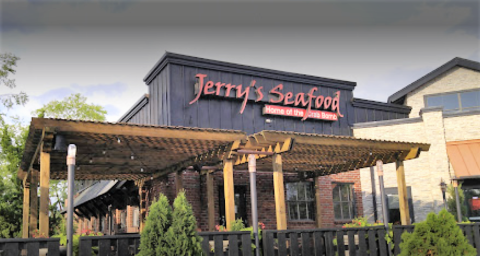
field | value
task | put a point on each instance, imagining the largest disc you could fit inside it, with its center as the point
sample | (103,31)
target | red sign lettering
(310,101)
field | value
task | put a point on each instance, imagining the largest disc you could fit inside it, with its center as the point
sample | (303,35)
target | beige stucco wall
(462,128)
(456,79)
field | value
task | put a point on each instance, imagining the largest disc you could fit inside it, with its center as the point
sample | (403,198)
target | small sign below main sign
(299,112)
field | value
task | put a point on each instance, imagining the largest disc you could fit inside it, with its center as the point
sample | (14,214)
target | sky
(104,48)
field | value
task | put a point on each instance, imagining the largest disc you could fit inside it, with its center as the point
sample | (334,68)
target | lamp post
(72,151)
(443,187)
(457,200)
(252,169)
(382,195)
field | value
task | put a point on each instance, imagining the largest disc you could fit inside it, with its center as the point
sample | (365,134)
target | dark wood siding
(214,112)
(160,96)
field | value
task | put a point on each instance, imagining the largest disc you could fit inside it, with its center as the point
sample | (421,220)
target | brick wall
(196,192)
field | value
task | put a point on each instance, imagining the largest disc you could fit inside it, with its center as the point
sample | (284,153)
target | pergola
(119,151)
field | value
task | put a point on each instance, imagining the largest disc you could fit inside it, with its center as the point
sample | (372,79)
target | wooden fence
(335,241)
(318,242)
(29,246)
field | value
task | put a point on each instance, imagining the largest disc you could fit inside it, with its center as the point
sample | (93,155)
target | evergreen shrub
(438,235)
(159,219)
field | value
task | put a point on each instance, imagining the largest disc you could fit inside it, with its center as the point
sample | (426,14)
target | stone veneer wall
(456,79)
(424,173)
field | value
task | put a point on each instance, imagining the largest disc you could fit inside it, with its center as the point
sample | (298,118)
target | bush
(438,235)
(182,237)
(158,221)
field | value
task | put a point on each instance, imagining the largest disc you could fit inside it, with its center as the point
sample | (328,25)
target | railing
(336,241)
(121,245)
(30,246)
(227,243)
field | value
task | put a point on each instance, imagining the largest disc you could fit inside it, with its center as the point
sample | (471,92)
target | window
(123,219)
(136,217)
(455,101)
(393,205)
(343,204)
(300,201)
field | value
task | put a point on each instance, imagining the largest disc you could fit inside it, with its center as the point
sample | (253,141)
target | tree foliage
(158,221)
(168,233)
(8,100)
(452,201)
(438,235)
(12,143)
(74,106)
(182,237)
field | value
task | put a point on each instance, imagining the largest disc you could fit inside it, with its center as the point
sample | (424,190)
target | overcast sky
(103,49)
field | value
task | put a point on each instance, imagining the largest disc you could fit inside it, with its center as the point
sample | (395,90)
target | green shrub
(182,237)
(159,219)
(438,235)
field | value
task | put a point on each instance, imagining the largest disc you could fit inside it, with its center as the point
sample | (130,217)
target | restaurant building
(195,129)
(445,113)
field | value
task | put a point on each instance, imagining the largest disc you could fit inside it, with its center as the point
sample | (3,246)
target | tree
(9,61)
(438,235)
(153,235)
(74,106)
(452,201)
(182,237)
(12,142)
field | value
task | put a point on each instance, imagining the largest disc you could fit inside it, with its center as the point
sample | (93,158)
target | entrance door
(240,204)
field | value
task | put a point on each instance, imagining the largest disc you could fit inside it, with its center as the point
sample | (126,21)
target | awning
(465,158)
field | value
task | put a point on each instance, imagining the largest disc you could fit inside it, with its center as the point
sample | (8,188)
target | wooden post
(34,200)
(402,194)
(178,182)
(211,202)
(143,205)
(44,191)
(26,212)
(318,209)
(278,187)
(229,193)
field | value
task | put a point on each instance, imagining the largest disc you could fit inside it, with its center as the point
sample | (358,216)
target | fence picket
(476,233)
(372,243)
(352,248)
(218,245)
(11,249)
(247,245)
(233,245)
(104,247)
(329,243)
(318,243)
(294,244)
(340,243)
(305,244)
(268,243)
(33,249)
(206,244)
(85,248)
(53,246)
(362,243)
(382,244)
(282,246)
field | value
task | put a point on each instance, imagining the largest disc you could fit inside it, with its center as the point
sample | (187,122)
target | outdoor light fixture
(72,151)
(443,187)
(118,140)
(132,157)
(141,169)
(90,160)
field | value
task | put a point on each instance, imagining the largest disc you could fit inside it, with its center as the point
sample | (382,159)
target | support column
(26,206)
(34,201)
(229,193)
(211,202)
(178,182)
(278,186)
(44,191)
(402,193)
(142,208)
(318,209)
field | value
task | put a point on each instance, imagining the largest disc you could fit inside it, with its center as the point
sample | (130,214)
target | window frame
(307,201)
(350,201)
(458,93)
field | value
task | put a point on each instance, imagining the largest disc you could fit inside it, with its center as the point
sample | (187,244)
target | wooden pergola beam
(229,193)
(279,191)
(34,200)
(402,194)
(26,207)
(211,201)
